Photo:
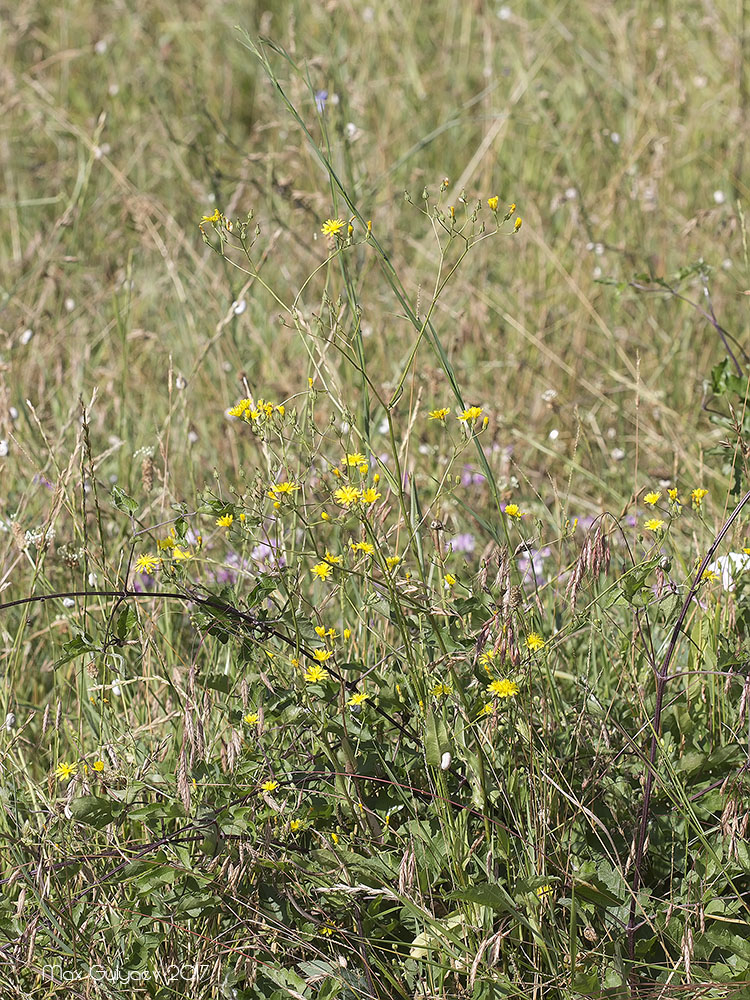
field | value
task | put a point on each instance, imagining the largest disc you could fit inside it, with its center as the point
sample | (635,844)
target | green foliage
(335,618)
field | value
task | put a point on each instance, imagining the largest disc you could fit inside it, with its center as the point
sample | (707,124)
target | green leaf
(435,739)
(95,810)
(122,501)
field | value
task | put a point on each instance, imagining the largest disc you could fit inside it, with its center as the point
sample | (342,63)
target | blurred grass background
(618,131)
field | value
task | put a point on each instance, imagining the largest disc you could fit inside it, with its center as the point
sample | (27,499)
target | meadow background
(180,789)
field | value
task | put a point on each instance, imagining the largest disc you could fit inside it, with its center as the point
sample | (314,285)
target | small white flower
(618,454)
(70,304)
(719,197)
(505,13)
(68,602)
(571,193)
(101,47)
(116,689)
(26,336)
(615,137)
(549,394)
(554,434)
(445,761)
(239,307)
(13,413)
(10,721)
(92,579)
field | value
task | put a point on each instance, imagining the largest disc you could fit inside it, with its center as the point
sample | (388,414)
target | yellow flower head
(392,561)
(654,524)
(356,458)
(440,690)
(652,498)
(449,580)
(470,414)
(370,496)
(321,655)
(504,688)
(513,510)
(365,547)
(519,223)
(65,771)
(440,414)
(282,490)
(358,699)
(534,641)
(251,718)
(346,495)
(332,559)
(146,564)
(269,786)
(98,765)
(492,202)
(332,226)
(322,570)
(697,497)
(315,674)
(225,521)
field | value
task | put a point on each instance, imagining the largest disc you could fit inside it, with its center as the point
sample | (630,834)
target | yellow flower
(519,223)
(181,554)
(492,202)
(365,547)
(488,707)
(98,765)
(697,497)
(251,718)
(654,524)
(242,409)
(674,496)
(534,641)
(370,496)
(282,490)
(335,838)
(328,928)
(321,655)
(332,559)
(652,498)
(347,633)
(440,414)
(392,561)
(322,570)
(470,414)
(332,226)
(320,630)
(449,580)
(346,495)
(269,786)
(212,218)
(146,564)
(543,890)
(315,674)
(225,521)
(164,543)
(357,458)
(295,825)
(709,575)
(442,689)
(65,771)
(358,699)
(513,510)
(504,688)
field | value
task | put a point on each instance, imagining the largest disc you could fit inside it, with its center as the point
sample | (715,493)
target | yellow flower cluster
(254,412)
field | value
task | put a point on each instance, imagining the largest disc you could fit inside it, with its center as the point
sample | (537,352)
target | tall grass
(369,625)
